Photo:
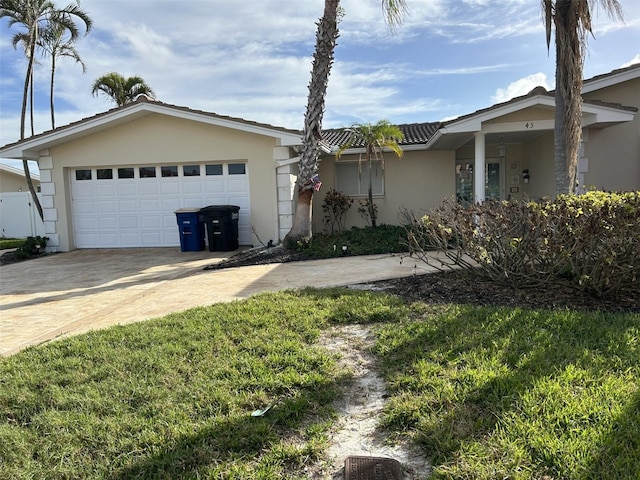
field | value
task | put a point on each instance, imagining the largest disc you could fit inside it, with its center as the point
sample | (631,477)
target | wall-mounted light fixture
(502,149)
(525,176)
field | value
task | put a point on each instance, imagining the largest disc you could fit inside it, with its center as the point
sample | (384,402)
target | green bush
(590,240)
(359,241)
(31,247)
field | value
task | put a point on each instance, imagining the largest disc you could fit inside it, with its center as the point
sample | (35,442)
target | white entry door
(133,206)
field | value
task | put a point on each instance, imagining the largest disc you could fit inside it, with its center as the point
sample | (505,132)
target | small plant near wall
(335,207)
(31,247)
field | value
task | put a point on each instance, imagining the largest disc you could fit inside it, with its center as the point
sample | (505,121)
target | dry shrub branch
(591,241)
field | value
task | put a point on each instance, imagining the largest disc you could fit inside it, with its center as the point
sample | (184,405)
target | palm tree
(374,138)
(34,16)
(571,20)
(57,44)
(120,89)
(326,37)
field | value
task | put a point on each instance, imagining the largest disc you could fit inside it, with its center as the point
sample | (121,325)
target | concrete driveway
(70,293)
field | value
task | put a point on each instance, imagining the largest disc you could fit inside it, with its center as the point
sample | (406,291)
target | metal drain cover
(372,468)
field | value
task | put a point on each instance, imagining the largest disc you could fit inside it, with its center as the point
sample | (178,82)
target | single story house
(116,179)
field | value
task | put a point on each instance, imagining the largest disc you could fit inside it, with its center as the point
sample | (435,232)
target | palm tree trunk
(326,37)
(53,73)
(569,70)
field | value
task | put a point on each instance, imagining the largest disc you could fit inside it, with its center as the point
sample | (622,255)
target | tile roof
(414,134)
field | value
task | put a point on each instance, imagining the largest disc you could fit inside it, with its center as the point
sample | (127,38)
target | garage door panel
(139,212)
(171,204)
(216,186)
(148,186)
(127,187)
(107,206)
(149,205)
(236,186)
(191,188)
(129,222)
(152,239)
(108,223)
(105,190)
(84,207)
(170,188)
(127,205)
(130,240)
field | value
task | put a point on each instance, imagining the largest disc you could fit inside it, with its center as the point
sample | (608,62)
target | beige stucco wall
(10,182)
(538,158)
(158,139)
(420,180)
(613,153)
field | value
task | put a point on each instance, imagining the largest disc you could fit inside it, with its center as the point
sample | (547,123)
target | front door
(493,183)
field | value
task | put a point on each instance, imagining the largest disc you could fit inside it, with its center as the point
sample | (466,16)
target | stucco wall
(614,153)
(418,181)
(10,182)
(158,139)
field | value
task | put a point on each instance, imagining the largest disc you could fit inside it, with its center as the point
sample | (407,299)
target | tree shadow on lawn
(222,446)
(523,348)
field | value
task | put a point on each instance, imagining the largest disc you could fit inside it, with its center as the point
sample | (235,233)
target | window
(215,169)
(83,174)
(125,172)
(191,170)
(349,182)
(147,172)
(237,169)
(104,174)
(169,171)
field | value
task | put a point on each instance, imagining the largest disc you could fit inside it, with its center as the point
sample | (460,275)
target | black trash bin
(221,222)
(191,229)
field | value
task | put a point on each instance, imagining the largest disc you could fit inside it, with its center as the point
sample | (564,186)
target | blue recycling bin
(191,229)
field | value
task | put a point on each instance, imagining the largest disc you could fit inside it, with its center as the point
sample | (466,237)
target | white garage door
(133,206)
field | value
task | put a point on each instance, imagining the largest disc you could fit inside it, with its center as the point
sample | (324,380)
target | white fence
(18,216)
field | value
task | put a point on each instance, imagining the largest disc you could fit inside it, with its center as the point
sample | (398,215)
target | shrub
(590,240)
(31,247)
(335,207)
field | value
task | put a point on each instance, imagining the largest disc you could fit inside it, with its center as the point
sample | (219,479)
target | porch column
(478,169)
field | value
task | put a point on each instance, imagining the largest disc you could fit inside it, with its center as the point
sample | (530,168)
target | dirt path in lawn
(361,408)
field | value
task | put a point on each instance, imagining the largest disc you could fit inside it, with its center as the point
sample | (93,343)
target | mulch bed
(458,287)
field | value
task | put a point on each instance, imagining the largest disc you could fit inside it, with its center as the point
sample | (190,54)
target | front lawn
(486,392)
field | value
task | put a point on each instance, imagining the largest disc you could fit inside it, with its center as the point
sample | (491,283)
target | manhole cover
(372,468)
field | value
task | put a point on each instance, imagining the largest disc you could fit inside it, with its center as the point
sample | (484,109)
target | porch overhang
(508,122)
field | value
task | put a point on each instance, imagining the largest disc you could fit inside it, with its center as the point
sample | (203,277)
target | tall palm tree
(571,20)
(374,138)
(33,16)
(56,43)
(120,89)
(326,37)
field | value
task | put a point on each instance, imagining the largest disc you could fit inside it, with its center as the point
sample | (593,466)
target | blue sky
(252,59)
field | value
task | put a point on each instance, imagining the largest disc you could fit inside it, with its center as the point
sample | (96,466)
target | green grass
(6,243)
(509,393)
(486,392)
(172,397)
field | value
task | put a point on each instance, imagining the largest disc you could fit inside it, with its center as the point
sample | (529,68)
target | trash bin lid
(219,208)
(187,210)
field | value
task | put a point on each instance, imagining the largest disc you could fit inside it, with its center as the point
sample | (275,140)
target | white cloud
(633,61)
(520,87)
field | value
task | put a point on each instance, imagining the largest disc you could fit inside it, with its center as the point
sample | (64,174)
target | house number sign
(528,125)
